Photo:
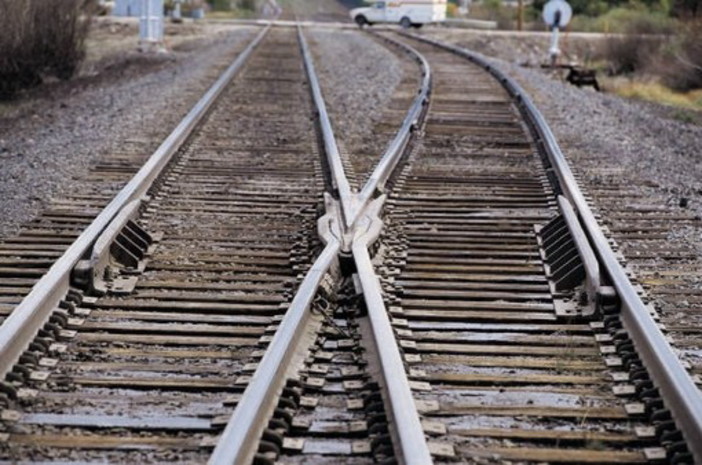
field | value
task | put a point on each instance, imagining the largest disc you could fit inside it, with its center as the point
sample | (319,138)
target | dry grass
(655,92)
(652,64)
(39,38)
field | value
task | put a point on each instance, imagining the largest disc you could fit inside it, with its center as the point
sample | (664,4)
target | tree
(687,8)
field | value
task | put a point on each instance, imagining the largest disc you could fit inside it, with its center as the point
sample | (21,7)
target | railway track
(28,254)
(144,370)
(493,362)
(457,306)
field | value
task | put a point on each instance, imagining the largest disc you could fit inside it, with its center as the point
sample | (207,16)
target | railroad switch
(117,256)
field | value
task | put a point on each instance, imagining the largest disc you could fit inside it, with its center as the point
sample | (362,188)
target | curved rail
(393,153)
(238,443)
(411,445)
(365,226)
(352,203)
(17,332)
(682,397)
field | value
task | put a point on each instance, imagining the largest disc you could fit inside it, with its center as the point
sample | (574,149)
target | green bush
(39,38)
(627,21)
(221,5)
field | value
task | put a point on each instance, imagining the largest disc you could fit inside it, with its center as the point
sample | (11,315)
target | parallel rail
(20,328)
(353,223)
(681,395)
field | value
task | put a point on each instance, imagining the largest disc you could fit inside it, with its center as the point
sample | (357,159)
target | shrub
(221,5)
(631,53)
(682,68)
(247,5)
(638,40)
(628,21)
(451,10)
(493,10)
(39,38)
(649,47)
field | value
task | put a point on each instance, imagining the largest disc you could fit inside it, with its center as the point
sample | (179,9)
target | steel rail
(393,153)
(353,204)
(680,394)
(339,179)
(239,441)
(411,441)
(591,267)
(20,328)
(411,444)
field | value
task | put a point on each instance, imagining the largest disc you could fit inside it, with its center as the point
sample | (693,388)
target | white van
(404,12)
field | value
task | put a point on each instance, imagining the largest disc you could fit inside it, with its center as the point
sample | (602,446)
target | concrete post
(554,51)
(151,25)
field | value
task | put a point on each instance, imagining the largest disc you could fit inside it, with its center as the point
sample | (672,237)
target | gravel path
(629,156)
(49,140)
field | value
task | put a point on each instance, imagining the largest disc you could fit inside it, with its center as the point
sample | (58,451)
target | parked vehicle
(406,13)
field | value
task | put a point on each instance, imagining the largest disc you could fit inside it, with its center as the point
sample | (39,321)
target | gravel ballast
(361,80)
(357,76)
(51,137)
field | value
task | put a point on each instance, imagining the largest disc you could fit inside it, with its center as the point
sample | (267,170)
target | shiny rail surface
(235,207)
(338,176)
(681,394)
(249,338)
(392,155)
(237,444)
(18,330)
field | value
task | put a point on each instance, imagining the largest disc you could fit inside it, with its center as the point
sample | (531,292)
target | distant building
(127,7)
(134,7)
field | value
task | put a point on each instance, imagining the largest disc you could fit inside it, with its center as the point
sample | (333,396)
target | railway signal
(557,15)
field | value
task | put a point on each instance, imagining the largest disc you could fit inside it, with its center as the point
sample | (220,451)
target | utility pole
(520,15)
